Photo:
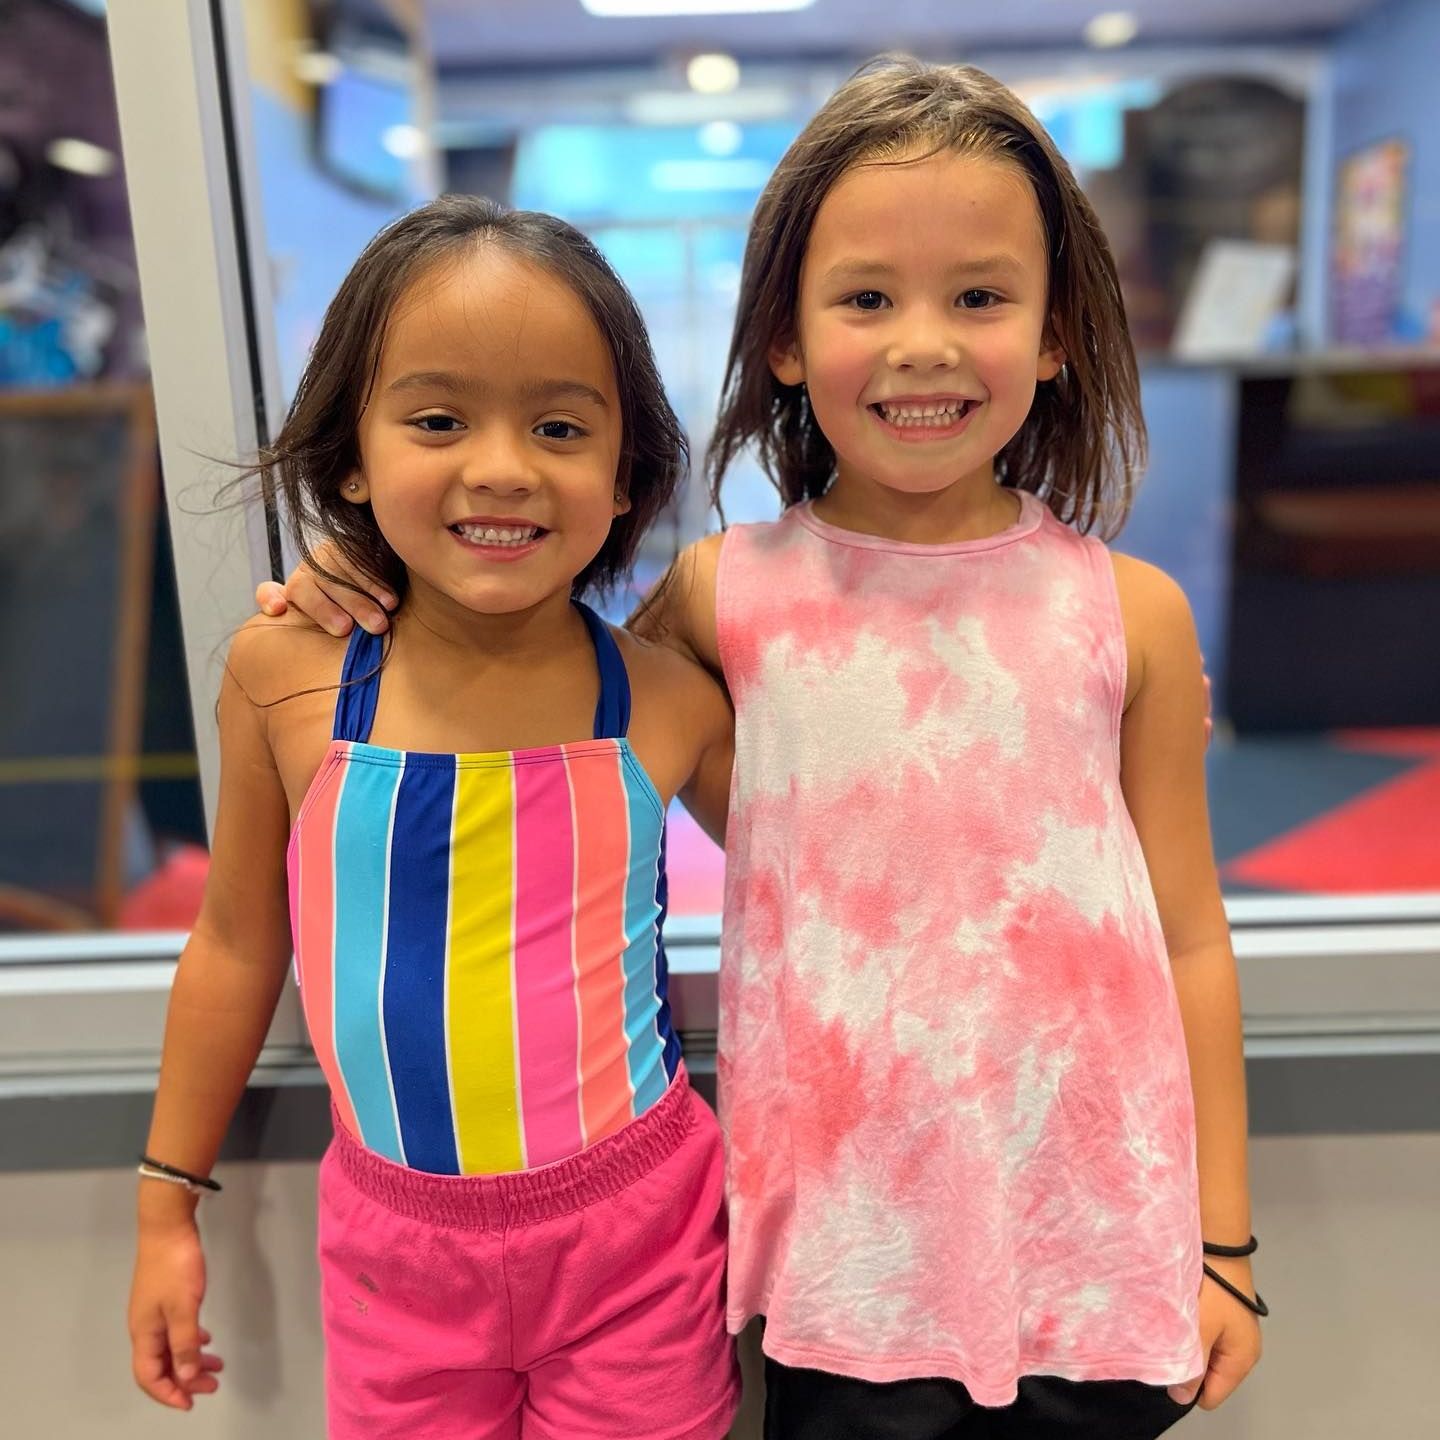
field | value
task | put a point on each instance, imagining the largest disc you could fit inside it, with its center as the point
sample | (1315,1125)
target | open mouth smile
(911,420)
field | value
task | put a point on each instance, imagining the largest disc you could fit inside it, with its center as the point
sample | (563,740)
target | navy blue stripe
(359,686)
(414,997)
(612,710)
(662,969)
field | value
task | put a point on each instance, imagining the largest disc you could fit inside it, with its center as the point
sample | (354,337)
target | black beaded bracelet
(203,1181)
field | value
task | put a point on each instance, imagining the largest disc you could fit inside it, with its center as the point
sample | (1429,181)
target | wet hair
(318,447)
(1084,438)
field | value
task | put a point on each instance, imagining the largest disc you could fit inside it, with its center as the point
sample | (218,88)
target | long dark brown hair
(318,447)
(1084,438)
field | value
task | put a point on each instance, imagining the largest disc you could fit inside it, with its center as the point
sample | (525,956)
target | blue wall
(1385,87)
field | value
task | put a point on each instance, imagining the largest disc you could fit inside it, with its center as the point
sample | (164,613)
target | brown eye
(868,300)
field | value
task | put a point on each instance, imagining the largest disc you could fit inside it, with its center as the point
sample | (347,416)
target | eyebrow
(984,265)
(457,384)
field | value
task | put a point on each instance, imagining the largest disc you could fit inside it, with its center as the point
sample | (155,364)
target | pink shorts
(580,1300)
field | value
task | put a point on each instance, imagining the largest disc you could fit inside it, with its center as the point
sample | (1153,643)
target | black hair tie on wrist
(1256,1306)
(1232,1252)
(203,1181)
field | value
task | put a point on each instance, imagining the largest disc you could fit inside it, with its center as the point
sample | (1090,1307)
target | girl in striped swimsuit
(521,1222)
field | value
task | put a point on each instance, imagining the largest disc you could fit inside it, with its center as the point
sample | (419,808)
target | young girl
(521,1223)
(981,1067)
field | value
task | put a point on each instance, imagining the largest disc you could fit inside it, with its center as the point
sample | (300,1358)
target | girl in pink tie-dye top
(980,1049)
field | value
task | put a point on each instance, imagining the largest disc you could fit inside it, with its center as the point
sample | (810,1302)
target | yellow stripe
(48,769)
(481,1023)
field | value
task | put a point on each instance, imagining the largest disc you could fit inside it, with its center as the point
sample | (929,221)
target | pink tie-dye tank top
(952,1069)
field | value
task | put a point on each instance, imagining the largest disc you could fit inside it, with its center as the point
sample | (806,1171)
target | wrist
(161,1207)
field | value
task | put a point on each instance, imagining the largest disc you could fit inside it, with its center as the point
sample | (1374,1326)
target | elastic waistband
(523,1197)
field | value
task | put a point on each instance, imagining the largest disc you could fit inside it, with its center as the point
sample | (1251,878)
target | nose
(924,340)
(499,462)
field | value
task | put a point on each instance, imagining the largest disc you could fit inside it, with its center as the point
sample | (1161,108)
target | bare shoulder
(274,656)
(1160,633)
(1151,603)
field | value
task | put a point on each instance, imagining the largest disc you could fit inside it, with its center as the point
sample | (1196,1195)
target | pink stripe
(314,924)
(602,827)
(545,1017)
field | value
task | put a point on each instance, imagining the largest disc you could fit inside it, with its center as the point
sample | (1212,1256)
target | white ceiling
(481,34)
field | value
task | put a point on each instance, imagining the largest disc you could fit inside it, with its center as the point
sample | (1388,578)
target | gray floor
(1350,1265)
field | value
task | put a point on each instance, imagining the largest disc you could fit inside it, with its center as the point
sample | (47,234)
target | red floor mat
(1384,840)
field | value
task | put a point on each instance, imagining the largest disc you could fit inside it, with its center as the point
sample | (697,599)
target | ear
(355,488)
(622,501)
(787,364)
(1052,354)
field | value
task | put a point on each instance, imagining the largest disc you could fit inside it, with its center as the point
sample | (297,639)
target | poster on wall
(1369,236)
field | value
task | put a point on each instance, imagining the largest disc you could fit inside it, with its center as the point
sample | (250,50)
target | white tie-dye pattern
(952,1070)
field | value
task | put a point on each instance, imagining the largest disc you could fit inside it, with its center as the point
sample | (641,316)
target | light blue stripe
(644,1044)
(362,826)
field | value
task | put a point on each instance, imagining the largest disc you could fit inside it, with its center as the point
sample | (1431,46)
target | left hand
(1229,1334)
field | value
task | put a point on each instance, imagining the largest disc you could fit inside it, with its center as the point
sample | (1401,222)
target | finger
(1224,1375)
(331,604)
(1184,1394)
(184,1338)
(305,595)
(270,598)
(368,611)
(151,1368)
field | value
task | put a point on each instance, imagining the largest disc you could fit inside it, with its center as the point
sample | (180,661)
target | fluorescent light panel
(660,9)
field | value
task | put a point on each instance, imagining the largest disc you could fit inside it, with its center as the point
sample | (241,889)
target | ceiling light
(655,9)
(404,142)
(317,67)
(80,157)
(709,175)
(1114,27)
(721,137)
(713,74)
(685,107)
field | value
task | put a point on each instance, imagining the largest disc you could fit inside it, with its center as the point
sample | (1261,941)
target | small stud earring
(353,486)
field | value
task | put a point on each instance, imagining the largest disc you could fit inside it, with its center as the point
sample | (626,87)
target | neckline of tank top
(1032,515)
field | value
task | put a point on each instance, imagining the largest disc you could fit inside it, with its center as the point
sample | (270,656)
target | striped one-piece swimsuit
(478,937)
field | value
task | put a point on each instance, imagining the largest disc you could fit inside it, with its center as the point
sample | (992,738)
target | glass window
(1193,157)
(101,824)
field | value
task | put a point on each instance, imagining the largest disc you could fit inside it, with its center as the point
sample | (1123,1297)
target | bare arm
(680,614)
(1163,778)
(225,991)
(706,795)
(680,611)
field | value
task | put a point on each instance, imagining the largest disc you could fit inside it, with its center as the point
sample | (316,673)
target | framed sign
(77,517)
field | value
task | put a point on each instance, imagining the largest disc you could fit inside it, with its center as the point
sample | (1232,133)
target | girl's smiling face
(922,324)
(491,438)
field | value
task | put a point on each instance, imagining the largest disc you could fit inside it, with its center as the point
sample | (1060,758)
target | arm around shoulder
(680,611)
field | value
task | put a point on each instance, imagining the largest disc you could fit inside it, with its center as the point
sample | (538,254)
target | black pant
(813,1405)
